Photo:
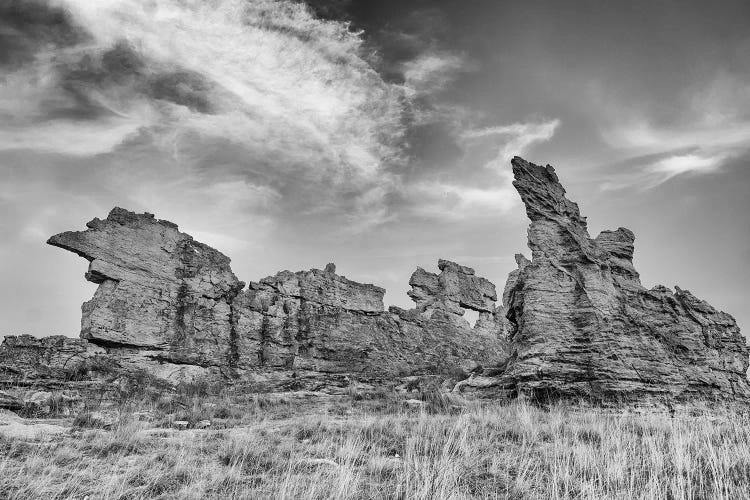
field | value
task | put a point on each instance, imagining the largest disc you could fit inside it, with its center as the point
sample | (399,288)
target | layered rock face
(164,301)
(575,321)
(48,361)
(171,307)
(41,373)
(315,328)
(455,289)
(581,323)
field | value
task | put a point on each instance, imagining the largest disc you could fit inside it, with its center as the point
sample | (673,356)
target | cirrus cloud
(281,87)
(713,129)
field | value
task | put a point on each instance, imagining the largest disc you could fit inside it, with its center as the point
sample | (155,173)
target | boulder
(39,402)
(47,360)
(203,424)
(102,419)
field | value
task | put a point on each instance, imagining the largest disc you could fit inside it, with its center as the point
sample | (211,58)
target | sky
(373,134)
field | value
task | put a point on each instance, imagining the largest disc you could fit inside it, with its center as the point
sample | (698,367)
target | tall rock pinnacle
(581,323)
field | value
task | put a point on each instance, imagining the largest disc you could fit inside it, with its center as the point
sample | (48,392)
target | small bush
(86,420)
(249,456)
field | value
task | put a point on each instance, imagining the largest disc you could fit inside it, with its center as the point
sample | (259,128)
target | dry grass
(366,449)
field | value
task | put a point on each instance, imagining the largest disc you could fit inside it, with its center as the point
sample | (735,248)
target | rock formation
(171,307)
(53,371)
(455,289)
(581,323)
(574,321)
(305,324)
(164,301)
(48,361)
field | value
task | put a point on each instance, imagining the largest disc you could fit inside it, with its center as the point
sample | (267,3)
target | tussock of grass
(480,451)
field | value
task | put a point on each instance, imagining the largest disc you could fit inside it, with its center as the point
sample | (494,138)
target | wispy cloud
(431,72)
(285,90)
(467,197)
(455,202)
(713,129)
(76,139)
(653,170)
(260,99)
(680,164)
(513,139)
(658,155)
(644,137)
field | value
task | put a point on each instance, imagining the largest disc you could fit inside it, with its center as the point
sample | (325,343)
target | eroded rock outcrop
(315,328)
(574,321)
(447,295)
(39,373)
(164,300)
(171,307)
(581,323)
(47,360)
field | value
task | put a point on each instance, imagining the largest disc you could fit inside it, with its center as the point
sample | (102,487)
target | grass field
(372,450)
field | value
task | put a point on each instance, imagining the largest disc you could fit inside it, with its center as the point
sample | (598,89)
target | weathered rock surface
(164,299)
(171,307)
(455,289)
(54,374)
(10,402)
(14,427)
(581,323)
(575,321)
(316,328)
(46,361)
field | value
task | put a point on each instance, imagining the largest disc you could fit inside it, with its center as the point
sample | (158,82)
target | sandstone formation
(48,361)
(301,325)
(581,323)
(164,301)
(455,289)
(171,307)
(53,371)
(575,321)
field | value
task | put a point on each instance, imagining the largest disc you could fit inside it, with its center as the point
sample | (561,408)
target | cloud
(655,170)
(658,155)
(470,195)
(222,101)
(514,139)
(713,129)
(77,139)
(680,164)
(448,201)
(724,99)
(431,72)
(646,138)
(291,95)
